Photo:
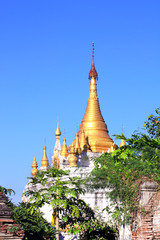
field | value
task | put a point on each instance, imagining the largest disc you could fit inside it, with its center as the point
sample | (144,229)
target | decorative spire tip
(92,51)
(93,72)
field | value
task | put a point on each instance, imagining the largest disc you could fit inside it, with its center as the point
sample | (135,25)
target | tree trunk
(57,228)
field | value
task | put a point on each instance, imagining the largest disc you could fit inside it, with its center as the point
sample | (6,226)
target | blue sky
(45,58)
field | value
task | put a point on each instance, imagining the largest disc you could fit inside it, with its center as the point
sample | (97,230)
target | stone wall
(146,224)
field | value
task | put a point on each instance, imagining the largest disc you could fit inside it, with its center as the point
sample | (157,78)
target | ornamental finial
(93,72)
(57,132)
(92,51)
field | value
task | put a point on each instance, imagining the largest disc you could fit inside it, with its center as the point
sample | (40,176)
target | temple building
(92,138)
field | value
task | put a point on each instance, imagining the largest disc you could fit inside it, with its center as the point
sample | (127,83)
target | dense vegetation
(34,225)
(63,194)
(124,169)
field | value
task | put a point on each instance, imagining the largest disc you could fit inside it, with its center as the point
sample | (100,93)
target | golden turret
(93,123)
(44,161)
(72,159)
(77,145)
(57,146)
(57,132)
(34,168)
(122,143)
(64,150)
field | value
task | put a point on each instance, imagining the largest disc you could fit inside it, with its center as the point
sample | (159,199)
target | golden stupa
(34,168)
(44,161)
(72,159)
(122,143)
(64,150)
(93,124)
(58,132)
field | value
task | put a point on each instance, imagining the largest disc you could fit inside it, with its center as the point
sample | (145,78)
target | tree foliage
(34,225)
(62,192)
(54,187)
(152,125)
(123,169)
(94,229)
(7,191)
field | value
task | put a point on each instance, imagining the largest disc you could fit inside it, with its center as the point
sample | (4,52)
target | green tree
(7,191)
(95,229)
(54,187)
(123,169)
(62,192)
(34,225)
(152,125)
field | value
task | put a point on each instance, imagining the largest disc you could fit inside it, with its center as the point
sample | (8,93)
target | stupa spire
(57,146)
(93,72)
(122,143)
(44,161)
(93,124)
(57,132)
(64,150)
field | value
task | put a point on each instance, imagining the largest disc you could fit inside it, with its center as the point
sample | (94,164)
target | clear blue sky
(45,58)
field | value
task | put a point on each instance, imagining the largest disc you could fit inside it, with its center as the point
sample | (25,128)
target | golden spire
(64,150)
(57,146)
(34,168)
(77,145)
(93,123)
(57,132)
(72,159)
(122,143)
(93,72)
(44,161)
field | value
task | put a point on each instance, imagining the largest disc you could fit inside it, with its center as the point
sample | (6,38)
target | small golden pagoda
(93,124)
(64,150)
(57,146)
(122,143)
(57,132)
(112,148)
(34,170)
(72,159)
(44,161)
